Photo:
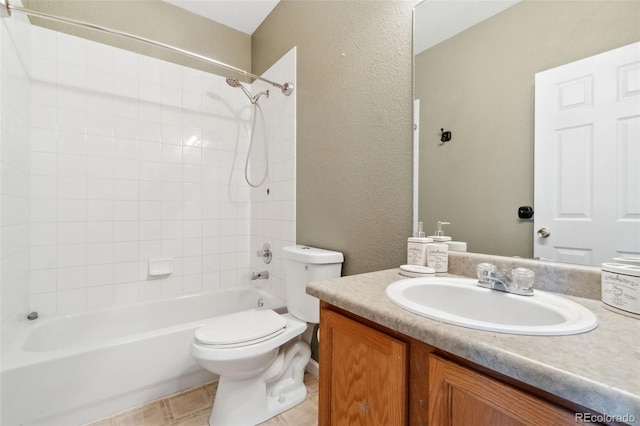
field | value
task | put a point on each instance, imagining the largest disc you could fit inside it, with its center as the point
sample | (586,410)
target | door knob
(543,233)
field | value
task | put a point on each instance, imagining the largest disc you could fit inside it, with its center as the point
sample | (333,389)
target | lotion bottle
(417,248)
(438,258)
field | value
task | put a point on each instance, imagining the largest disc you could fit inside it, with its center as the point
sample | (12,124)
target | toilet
(260,355)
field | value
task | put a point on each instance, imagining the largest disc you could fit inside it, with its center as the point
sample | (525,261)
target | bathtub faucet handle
(265,253)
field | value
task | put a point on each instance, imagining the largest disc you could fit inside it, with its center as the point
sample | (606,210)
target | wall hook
(445,136)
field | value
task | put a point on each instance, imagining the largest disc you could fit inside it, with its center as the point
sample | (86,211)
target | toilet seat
(241,329)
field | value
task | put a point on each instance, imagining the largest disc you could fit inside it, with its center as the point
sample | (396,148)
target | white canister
(417,251)
(438,257)
(621,288)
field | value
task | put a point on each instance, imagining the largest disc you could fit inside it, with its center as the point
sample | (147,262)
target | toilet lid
(239,327)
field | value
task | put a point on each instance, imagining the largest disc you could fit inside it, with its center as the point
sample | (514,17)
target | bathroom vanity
(380,364)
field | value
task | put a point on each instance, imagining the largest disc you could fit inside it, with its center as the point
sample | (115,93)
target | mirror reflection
(477,82)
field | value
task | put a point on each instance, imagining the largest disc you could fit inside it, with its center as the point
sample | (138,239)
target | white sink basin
(460,301)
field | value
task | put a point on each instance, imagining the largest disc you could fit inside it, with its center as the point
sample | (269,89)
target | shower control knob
(543,233)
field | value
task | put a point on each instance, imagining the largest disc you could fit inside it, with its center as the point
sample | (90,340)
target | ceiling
(435,20)
(242,15)
(438,20)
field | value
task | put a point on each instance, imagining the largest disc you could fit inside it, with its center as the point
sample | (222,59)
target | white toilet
(260,355)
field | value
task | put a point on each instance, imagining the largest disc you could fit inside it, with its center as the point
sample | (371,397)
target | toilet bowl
(259,354)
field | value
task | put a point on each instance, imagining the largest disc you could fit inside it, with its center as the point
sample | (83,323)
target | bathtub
(78,368)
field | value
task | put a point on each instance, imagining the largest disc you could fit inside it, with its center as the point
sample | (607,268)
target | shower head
(234,82)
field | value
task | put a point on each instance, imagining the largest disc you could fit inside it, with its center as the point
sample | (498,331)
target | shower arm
(6,8)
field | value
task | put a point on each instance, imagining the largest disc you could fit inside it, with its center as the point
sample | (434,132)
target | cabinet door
(461,396)
(363,374)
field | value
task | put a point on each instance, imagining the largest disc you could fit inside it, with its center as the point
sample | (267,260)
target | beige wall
(155,20)
(479,85)
(353,126)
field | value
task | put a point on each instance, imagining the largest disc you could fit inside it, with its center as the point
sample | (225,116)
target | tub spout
(263,275)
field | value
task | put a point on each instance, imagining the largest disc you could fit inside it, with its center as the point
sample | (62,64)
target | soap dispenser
(417,248)
(440,237)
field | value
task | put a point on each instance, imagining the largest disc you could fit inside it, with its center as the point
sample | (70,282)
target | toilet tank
(302,265)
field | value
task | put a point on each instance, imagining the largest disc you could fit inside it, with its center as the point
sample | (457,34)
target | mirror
(478,84)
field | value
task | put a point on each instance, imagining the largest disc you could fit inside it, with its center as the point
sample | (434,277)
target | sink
(460,301)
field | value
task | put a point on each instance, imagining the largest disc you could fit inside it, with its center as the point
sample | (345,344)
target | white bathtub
(78,368)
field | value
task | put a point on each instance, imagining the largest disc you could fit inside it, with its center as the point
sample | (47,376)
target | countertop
(599,369)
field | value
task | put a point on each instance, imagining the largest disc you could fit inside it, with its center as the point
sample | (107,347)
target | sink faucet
(521,283)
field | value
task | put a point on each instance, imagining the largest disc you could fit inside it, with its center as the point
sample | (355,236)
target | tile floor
(193,407)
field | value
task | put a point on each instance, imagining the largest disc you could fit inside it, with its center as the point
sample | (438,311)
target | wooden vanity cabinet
(363,378)
(370,375)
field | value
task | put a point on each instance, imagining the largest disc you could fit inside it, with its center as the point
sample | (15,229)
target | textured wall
(155,20)
(479,85)
(354,144)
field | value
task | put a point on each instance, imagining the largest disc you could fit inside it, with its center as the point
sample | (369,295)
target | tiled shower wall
(15,176)
(132,159)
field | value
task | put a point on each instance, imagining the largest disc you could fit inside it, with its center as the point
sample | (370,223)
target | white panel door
(587,159)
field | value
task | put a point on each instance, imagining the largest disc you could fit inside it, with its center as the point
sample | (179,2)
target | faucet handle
(485,270)
(523,278)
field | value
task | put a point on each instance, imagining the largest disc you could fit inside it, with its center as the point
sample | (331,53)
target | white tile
(151,132)
(100,232)
(150,190)
(171,248)
(150,290)
(150,70)
(99,275)
(126,231)
(126,169)
(99,210)
(150,210)
(100,83)
(126,189)
(192,247)
(43,257)
(191,283)
(171,229)
(192,265)
(171,286)
(126,252)
(171,153)
(125,293)
(149,151)
(43,42)
(43,140)
(99,253)
(44,303)
(100,57)
(100,167)
(171,210)
(72,188)
(71,142)
(99,124)
(43,210)
(100,146)
(171,172)
(171,191)
(71,165)
(43,163)
(71,76)
(100,189)
(150,170)
(126,149)
(171,134)
(99,297)
(71,300)
(71,50)
(72,232)
(43,281)
(171,115)
(72,255)
(74,277)
(126,210)
(125,128)
(43,117)
(150,249)
(43,70)
(125,272)
(43,187)
(126,64)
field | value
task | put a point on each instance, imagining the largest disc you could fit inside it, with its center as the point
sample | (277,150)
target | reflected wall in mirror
(479,84)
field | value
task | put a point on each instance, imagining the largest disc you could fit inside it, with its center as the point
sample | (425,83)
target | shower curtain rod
(6,8)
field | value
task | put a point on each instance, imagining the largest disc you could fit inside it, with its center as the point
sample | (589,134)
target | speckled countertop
(599,369)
